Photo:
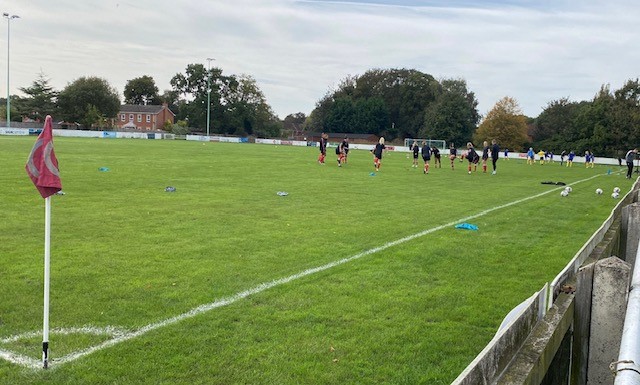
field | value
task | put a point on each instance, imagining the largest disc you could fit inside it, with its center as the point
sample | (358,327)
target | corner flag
(42,165)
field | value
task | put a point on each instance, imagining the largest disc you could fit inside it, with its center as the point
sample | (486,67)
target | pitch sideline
(121,335)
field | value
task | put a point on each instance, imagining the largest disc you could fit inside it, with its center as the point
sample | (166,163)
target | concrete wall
(611,279)
(503,347)
(580,334)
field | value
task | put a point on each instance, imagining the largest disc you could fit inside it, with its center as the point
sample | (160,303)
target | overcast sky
(297,50)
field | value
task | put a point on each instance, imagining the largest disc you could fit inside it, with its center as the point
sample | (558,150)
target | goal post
(440,144)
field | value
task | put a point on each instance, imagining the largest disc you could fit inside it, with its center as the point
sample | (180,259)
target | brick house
(146,118)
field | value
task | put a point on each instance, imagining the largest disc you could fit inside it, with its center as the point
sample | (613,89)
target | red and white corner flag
(42,165)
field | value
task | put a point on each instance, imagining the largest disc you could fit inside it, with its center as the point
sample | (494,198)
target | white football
(615,195)
(616,190)
(564,193)
(568,188)
(599,191)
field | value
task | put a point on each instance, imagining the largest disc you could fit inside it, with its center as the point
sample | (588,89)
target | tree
(247,110)
(342,115)
(504,123)
(141,90)
(625,118)
(40,101)
(238,106)
(293,124)
(555,118)
(192,86)
(453,115)
(172,98)
(371,115)
(590,129)
(382,102)
(17,108)
(87,100)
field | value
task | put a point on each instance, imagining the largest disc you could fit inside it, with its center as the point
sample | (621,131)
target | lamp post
(209,92)
(9,18)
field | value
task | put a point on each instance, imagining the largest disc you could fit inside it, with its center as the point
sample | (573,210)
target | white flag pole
(47,256)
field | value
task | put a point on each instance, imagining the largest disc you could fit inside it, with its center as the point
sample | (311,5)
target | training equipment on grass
(282,193)
(467,226)
(103,169)
(568,189)
(599,191)
(119,335)
(616,190)
(615,195)
(564,193)
(170,189)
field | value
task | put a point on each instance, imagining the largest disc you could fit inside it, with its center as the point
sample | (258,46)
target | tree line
(402,103)
(237,105)
(394,103)
(607,125)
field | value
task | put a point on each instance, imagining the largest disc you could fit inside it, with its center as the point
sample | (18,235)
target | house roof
(142,109)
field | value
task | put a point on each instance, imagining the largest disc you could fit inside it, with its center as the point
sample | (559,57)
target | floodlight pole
(209,92)
(9,18)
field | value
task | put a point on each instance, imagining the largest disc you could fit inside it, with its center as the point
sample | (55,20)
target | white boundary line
(122,336)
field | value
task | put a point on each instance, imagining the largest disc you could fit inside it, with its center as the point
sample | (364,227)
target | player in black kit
(426,156)
(485,155)
(377,154)
(436,155)
(452,154)
(323,148)
(415,148)
(472,157)
(345,149)
(495,153)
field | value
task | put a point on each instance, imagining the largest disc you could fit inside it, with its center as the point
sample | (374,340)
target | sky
(298,50)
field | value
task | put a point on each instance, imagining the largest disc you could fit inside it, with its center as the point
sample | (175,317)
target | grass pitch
(126,255)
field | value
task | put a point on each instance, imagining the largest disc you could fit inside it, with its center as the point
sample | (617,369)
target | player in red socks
(377,154)
(426,156)
(485,155)
(452,154)
(323,148)
(472,157)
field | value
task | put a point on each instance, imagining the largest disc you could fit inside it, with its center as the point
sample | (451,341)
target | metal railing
(627,368)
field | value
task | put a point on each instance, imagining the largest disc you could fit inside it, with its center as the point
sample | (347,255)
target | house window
(131,117)
(122,117)
(148,118)
(139,118)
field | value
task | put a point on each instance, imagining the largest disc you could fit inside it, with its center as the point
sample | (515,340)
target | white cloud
(535,52)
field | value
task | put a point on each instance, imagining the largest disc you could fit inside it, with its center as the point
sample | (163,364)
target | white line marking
(19,359)
(122,335)
(109,330)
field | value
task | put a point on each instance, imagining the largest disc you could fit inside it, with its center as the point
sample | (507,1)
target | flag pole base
(45,355)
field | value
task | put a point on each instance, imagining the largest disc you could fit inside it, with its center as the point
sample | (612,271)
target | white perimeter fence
(224,139)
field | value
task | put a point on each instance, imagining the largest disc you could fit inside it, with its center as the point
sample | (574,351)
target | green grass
(127,254)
